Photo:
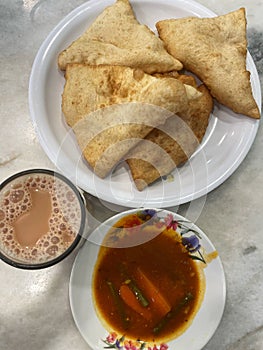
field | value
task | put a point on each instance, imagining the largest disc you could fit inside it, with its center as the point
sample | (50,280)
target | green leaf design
(194,257)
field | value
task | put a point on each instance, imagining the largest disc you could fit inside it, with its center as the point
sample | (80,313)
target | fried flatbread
(215,50)
(171,144)
(117,38)
(111,108)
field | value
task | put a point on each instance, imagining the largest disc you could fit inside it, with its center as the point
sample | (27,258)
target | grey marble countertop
(34,305)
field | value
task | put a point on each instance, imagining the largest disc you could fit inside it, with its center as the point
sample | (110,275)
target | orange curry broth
(166,262)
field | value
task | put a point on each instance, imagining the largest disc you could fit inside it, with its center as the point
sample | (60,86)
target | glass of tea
(42,218)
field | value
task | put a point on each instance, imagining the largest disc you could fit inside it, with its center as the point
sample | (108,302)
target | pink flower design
(170,222)
(112,341)
(111,337)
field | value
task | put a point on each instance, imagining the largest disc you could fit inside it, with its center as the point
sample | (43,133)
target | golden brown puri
(215,49)
(117,38)
(171,145)
(89,88)
(111,108)
(117,110)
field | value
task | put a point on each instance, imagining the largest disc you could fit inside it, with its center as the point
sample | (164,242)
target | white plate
(84,314)
(225,145)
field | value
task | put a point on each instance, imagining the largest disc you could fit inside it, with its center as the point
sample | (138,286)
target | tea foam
(63,224)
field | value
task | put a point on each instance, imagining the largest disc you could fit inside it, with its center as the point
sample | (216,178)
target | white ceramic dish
(225,145)
(89,325)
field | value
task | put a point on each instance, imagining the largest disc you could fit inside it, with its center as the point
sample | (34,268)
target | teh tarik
(40,217)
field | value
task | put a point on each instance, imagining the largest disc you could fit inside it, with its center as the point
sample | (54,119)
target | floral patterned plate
(199,247)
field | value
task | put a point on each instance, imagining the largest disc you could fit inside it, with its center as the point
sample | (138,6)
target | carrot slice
(158,302)
(130,299)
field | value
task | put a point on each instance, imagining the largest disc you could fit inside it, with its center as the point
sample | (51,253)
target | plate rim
(116,217)
(168,201)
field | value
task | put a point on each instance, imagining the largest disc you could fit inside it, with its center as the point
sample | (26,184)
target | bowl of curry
(144,280)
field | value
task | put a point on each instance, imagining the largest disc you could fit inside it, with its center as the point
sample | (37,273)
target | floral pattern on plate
(113,342)
(190,239)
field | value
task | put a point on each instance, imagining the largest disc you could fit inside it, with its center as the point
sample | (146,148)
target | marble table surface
(34,305)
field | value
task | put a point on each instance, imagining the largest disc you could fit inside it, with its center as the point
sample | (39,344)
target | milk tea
(40,217)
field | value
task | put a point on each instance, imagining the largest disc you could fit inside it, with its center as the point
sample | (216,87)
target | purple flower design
(146,214)
(118,344)
(191,243)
